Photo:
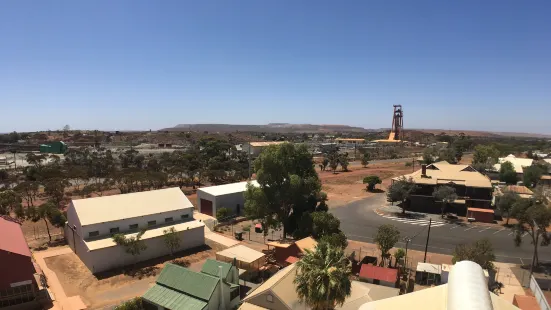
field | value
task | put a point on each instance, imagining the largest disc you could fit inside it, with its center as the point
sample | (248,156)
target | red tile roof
(292,259)
(369,271)
(525,302)
(12,239)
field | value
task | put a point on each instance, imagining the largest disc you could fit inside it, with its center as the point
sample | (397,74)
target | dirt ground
(113,287)
(345,187)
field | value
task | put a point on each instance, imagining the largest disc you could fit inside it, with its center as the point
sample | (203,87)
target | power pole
(427,244)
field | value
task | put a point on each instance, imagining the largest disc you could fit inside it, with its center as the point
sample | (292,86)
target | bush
(132,304)
(408,164)
(222,213)
(371,181)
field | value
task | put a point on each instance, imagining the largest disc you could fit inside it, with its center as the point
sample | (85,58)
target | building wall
(123,224)
(481,216)
(262,301)
(230,201)
(14,268)
(115,256)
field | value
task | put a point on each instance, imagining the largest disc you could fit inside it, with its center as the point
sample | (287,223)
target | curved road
(359,222)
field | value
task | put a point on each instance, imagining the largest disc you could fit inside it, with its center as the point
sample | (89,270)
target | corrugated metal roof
(307,243)
(430,268)
(12,239)
(378,273)
(211,267)
(242,253)
(226,189)
(173,300)
(267,143)
(196,284)
(518,163)
(150,233)
(112,208)
(481,210)
(519,189)
(443,172)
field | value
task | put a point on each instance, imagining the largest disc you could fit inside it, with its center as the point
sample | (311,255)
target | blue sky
(481,65)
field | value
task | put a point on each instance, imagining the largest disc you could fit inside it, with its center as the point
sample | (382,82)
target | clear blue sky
(483,65)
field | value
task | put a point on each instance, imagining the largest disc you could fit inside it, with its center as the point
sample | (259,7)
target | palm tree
(323,277)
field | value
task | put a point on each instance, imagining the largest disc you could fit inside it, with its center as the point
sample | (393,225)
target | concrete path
(61,301)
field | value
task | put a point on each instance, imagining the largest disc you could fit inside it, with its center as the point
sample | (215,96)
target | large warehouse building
(230,196)
(92,222)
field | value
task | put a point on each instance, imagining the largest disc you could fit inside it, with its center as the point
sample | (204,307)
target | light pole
(427,244)
(407,240)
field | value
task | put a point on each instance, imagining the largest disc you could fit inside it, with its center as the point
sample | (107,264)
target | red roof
(481,210)
(369,271)
(292,259)
(12,239)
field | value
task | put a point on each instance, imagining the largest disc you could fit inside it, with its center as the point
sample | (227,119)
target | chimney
(222,301)
(424,169)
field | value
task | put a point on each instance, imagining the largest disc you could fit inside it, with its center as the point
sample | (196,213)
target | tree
(171,238)
(533,174)
(398,255)
(333,159)
(222,214)
(365,159)
(484,154)
(335,240)
(324,163)
(132,304)
(480,252)
(387,236)
(47,212)
(533,218)
(446,195)
(343,160)
(10,202)
(506,202)
(447,154)
(428,156)
(323,277)
(507,173)
(324,224)
(400,190)
(288,185)
(132,245)
(29,191)
(371,181)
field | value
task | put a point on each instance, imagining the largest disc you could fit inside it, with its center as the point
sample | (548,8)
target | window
(269,298)
(133,226)
(168,219)
(185,216)
(93,234)
(114,230)
(151,223)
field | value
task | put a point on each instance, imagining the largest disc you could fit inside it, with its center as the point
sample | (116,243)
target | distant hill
(272,127)
(477,133)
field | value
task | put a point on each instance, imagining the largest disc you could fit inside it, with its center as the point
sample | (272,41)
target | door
(206,206)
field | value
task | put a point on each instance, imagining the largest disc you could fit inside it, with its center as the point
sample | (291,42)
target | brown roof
(12,239)
(443,173)
(519,189)
(266,143)
(369,271)
(307,243)
(481,210)
(526,302)
(545,177)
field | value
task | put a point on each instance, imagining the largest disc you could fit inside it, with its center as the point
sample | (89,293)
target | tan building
(279,293)
(255,148)
(474,190)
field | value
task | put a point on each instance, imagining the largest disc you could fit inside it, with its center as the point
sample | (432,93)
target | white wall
(229,201)
(123,224)
(115,256)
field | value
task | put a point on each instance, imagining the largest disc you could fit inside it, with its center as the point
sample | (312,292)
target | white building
(211,199)
(518,163)
(92,222)
(255,148)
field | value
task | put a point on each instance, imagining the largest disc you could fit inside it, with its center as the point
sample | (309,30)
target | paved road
(359,222)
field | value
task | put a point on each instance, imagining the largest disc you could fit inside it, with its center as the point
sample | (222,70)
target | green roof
(211,267)
(173,300)
(192,283)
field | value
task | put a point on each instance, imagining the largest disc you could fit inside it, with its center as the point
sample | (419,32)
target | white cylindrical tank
(467,288)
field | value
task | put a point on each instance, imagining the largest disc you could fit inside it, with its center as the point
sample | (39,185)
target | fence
(544,305)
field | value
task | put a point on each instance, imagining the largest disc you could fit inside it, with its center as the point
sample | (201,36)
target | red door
(206,206)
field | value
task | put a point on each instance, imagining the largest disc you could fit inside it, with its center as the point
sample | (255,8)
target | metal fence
(542,301)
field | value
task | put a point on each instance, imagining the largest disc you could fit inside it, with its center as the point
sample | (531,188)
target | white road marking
(485,229)
(524,234)
(438,225)
(470,228)
(498,231)
(454,227)
(511,233)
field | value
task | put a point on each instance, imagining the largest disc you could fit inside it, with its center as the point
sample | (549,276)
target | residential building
(245,258)
(279,293)
(466,289)
(255,148)
(92,222)
(19,280)
(474,190)
(379,275)
(518,164)
(230,196)
(216,287)
(521,190)
(289,253)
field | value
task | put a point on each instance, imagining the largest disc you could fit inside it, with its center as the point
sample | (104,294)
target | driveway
(359,221)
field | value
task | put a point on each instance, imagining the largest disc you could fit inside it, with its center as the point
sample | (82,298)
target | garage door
(206,206)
